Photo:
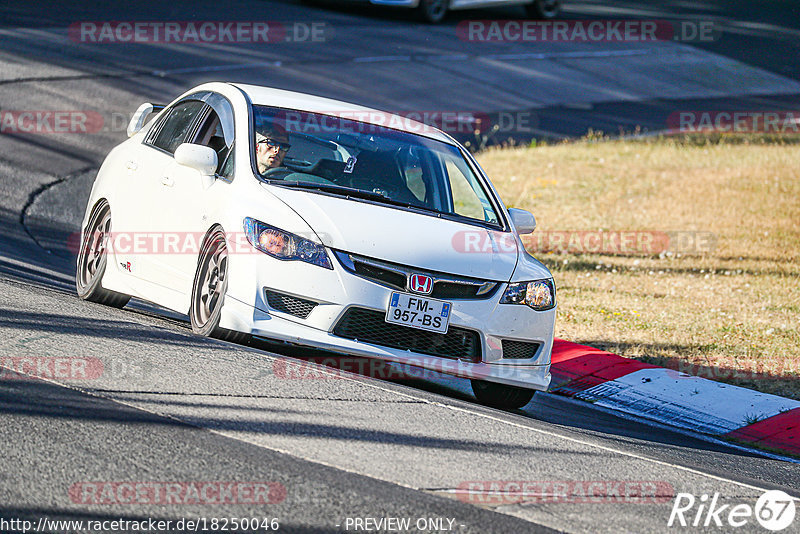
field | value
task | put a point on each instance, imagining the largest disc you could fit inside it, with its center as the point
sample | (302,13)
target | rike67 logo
(774,511)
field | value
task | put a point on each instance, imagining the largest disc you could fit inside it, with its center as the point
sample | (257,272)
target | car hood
(404,237)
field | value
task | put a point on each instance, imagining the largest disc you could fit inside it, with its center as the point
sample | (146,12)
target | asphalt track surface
(170,406)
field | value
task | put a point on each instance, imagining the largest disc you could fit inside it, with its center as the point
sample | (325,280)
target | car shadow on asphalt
(111,329)
(545,407)
(55,402)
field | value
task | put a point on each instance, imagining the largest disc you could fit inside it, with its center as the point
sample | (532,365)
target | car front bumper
(336,291)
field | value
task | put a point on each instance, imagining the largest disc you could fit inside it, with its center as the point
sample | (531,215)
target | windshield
(360,161)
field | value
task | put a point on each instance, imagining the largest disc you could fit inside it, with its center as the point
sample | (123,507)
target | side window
(169,135)
(469,199)
(210,134)
(226,166)
(216,131)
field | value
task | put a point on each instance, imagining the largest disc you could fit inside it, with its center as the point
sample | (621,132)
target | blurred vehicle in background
(435,10)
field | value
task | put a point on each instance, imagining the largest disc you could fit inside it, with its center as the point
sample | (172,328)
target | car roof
(269,96)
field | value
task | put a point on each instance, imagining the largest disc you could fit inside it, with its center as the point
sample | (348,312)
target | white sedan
(285,216)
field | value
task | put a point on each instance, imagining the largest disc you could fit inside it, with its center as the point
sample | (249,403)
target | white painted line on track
(22,271)
(610,449)
(567,55)
(375,59)
(213,68)
(361,380)
(450,57)
(407,58)
(287,452)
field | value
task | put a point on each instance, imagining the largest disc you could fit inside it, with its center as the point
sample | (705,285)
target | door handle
(131,165)
(166,180)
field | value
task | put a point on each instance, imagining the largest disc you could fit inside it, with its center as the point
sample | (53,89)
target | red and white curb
(676,399)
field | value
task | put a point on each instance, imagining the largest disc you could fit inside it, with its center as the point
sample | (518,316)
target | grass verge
(714,291)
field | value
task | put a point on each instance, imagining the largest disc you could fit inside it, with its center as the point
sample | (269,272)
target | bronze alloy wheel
(93,260)
(209,289)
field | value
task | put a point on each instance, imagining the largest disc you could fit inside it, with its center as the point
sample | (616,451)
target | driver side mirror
(524,222)
(140,115)
(200,158)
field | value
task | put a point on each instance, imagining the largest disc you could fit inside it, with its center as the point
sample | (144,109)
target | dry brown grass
(731,313)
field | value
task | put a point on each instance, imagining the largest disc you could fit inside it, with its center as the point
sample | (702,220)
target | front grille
(370,326)
(289,304)
(453,290)
(519,350)
(373,272)
(445,286)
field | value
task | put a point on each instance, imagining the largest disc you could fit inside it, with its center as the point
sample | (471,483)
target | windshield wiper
(353,192)
(340,189)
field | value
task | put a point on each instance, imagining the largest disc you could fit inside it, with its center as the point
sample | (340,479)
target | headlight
(539,294)
(283,245)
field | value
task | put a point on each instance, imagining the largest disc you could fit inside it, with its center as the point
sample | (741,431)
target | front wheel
(433,11)
(93,259)
(209,288)
(500,395)
(543,9)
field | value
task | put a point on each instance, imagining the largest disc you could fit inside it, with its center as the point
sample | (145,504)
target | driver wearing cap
(272,144)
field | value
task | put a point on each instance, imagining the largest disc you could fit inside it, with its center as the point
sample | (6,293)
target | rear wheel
(500,395)
(543,9)
(433,11)
(93,259)
(209,288)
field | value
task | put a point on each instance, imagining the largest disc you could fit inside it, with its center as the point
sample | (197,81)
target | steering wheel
(277,173)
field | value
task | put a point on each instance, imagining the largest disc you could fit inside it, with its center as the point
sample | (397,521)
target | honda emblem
(419,283)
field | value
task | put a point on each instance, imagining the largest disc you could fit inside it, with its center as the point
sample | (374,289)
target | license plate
(419,312)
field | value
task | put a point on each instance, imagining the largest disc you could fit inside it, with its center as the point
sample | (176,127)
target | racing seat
(379,170)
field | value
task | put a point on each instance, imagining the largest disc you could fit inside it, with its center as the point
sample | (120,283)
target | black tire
(433,11)
(93,260)
(544,9)
(209,289)
(501,396)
